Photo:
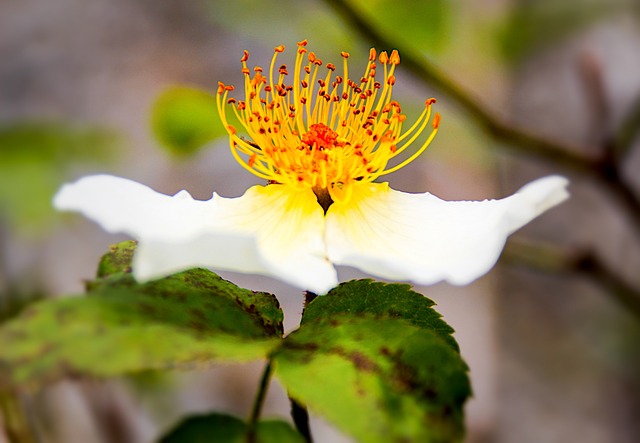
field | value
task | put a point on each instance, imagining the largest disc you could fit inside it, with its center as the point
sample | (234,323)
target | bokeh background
(551,335)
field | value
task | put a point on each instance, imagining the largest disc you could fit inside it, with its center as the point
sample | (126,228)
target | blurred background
(551,335)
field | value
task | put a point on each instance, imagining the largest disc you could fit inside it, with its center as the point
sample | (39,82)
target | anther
(430,101)
(303,43)
(344,54)
(391,80)
(395,58)
(436,121)
(245,56)
(384,57)
(372,54)
(279,48)
(331,66)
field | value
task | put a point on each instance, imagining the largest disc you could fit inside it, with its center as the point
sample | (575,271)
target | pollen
(314,129)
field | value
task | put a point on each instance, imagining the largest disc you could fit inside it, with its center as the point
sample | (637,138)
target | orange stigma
(322,131)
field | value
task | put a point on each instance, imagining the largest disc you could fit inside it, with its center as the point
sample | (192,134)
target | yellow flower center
(325,139)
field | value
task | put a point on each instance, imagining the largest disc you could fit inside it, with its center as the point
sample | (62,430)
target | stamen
(316,134)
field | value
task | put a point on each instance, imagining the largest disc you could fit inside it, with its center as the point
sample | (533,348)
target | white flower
(322,207)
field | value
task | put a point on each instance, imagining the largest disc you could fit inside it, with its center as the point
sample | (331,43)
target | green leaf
(423,24)
(276,431)
(114,272)
(190,319)
(383,363)
(184,119)
(261,24)
(222,428)
(54,143)
(383,300)
(208,428)
(534,26)
(34,158)
(117,260)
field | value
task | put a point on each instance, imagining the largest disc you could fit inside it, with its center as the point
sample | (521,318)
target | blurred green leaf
(276,431)
(208,428)
(383,300)
(423,24)
(54,143)
(382,370)
(534,25)
(188,319)
(270,25)
(184,119)
(220,428)
(34,158)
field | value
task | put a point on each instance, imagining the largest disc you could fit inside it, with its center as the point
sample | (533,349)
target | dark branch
(600,167)
(579,262)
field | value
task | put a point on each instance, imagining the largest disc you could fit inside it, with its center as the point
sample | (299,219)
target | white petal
(269,230)
(424,239)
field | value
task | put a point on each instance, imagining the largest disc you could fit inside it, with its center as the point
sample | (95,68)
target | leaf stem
(262,392)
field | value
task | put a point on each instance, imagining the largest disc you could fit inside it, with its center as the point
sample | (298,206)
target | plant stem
(299,412)
(300,417)
(308,298)
(259,401)
(15,423)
